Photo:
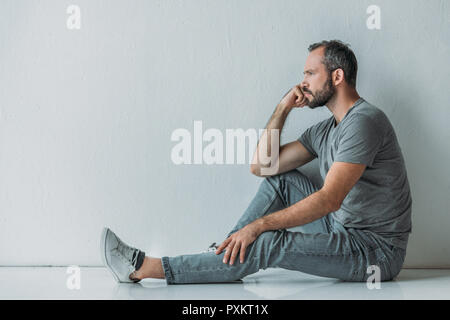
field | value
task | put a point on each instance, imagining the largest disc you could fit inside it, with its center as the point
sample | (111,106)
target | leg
(151,268)
(275,193)
(324,249)
(335,255)
(278,192)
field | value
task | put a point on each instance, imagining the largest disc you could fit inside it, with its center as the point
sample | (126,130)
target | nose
(304,84)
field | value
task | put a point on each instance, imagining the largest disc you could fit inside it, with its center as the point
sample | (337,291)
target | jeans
(323,247)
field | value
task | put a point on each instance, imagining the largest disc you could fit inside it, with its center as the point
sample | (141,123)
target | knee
(292,176)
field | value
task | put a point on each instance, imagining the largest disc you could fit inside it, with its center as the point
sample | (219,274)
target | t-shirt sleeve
(359,142)
(307,140)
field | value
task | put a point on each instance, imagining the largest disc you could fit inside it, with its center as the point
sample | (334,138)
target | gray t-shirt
(380,201)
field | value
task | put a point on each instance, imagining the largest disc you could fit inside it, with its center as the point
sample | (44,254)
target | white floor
(96,283)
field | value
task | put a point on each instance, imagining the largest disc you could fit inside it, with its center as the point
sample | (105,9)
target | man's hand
(294,98)
(239,241)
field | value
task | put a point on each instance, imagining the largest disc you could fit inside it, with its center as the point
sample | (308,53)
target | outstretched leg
(274,193)
(336,255)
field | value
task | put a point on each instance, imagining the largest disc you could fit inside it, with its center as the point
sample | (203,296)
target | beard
(322,96)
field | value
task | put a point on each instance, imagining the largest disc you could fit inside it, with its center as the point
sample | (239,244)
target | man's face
(317,84)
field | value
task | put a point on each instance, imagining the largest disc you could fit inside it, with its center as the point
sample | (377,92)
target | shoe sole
(103,254)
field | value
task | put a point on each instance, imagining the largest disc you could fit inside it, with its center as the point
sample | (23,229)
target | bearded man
(359,217)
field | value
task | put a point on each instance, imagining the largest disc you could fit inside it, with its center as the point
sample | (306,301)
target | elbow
(255,170)
(263,172)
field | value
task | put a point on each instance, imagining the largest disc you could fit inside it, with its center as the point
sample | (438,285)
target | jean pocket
(378,261)
(379,256)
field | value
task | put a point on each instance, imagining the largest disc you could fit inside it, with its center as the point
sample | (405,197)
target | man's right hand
(294,99)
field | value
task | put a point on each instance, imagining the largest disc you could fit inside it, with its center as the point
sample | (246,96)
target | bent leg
(279,192)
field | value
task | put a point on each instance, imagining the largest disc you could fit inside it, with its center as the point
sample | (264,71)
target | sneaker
(212,248)
(120,259)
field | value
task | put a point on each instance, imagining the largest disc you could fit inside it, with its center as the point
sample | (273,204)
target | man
(360,217)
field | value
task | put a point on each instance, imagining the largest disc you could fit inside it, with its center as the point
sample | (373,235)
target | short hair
(338,55)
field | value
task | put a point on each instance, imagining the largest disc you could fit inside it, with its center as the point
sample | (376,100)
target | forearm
(311,208)
(276,122)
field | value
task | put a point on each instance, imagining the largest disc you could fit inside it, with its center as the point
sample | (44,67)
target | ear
(338,76)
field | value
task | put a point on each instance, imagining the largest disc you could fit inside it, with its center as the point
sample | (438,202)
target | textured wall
(86,115)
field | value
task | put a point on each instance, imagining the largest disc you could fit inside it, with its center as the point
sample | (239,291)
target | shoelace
(126,261)
(135,258)
(121,248)
(133,261)
(212,247)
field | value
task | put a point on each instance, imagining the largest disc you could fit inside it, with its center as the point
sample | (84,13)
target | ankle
(135,275)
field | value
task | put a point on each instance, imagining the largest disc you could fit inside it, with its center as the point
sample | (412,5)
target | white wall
(86,115)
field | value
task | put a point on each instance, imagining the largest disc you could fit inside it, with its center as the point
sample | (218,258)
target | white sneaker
(212,248)
(118,257)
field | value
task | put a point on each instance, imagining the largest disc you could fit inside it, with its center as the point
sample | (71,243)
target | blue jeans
(323,247)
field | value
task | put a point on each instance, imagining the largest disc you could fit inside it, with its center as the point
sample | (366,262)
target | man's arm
(291,155)
(340,179)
